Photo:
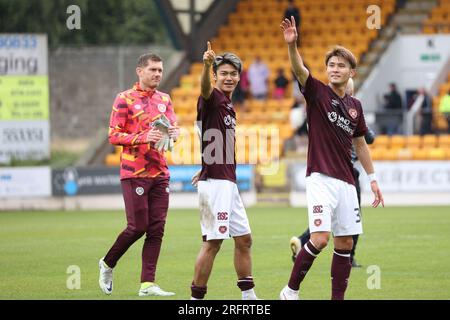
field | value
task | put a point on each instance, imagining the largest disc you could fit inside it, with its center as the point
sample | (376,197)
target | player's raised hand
(289,30)
(209,55)
(154,135)
(378,196)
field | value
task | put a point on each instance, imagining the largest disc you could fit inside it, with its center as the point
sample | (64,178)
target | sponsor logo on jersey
(223,229)
(332,116)
(341,122)
(317,222)
(221,216)
(353,113)
(318,209)
(162,107)
(140,191)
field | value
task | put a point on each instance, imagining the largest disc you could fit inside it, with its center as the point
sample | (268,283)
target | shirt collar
(143,92)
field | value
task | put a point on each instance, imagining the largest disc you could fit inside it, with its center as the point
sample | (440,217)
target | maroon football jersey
(332,123)
(217,119)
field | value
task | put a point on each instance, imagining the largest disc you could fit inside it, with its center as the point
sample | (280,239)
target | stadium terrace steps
(410,18)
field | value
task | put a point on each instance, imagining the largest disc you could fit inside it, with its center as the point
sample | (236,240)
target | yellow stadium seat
(382,141)
(443,141)
(398,141)
(436,154)
(405,154)
(414,141)
(420,154)
(112,160)
(429,141)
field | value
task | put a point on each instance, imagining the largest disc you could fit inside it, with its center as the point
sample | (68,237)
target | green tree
(103,22)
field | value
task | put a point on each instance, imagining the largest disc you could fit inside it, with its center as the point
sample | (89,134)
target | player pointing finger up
(209,55)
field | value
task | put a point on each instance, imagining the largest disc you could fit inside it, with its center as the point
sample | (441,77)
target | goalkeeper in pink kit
(143,122)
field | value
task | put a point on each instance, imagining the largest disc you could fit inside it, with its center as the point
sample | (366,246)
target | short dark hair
(227,58)
(143,59)
(339,51)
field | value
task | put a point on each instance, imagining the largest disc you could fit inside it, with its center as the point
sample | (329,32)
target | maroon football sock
(340,272)
(246,283)
(303,262)
(198,292)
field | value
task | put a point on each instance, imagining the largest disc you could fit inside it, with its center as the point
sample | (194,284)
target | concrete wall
(405,63)
(85,81)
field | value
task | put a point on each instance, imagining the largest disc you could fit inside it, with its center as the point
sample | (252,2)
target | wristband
(372,177)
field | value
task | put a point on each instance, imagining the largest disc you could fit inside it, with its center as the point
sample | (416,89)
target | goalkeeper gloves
(166,143)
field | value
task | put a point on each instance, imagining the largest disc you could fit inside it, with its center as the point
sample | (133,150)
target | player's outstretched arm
(208,60)
(290,36)
(363,153)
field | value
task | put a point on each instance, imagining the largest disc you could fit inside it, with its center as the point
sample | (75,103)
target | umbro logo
(334,102)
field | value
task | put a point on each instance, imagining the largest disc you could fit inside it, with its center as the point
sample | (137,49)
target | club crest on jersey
(353,113)
(140,191)
(334,102)
(162,107)
(317,222)
(223,229)
(332,116)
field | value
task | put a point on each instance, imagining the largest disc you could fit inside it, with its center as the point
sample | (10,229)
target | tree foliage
(103,22)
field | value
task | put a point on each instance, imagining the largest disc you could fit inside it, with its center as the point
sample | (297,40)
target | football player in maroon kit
(335,123)
(221,209)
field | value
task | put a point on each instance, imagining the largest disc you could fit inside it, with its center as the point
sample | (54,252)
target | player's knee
(244,243)
(212,247)
(344,243)
(320,241)
(135,232)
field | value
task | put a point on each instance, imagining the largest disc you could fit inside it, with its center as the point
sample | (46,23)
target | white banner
(25,182)
(394,176)
(24,97)
(23,54)
(24,140)
(410,176)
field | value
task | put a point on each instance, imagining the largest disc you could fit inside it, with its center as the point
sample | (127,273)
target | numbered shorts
(332,205)
(222,213)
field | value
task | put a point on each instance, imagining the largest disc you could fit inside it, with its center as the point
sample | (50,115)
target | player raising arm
(290,36)
(221,209)
(335,122)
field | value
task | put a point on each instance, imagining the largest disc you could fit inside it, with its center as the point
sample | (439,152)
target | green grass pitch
(410,245)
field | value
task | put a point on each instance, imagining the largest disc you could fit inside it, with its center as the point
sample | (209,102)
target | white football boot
(152,289)
(105,279)
(289,294)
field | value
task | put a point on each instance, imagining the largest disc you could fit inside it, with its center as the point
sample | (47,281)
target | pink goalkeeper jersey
(132,114)
(332,124)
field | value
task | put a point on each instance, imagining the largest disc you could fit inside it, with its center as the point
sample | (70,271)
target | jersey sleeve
(361,127)
(171,113)
(118,132)
(311,89)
